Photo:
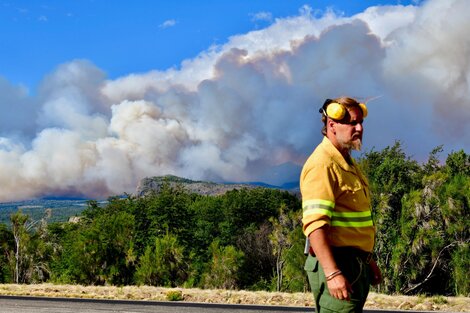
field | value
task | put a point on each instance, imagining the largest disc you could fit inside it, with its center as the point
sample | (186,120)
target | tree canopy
(252,238)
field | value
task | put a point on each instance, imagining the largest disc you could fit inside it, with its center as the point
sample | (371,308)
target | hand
(339,287)
(375,272)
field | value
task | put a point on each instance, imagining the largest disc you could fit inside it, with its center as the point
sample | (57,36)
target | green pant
(356,271)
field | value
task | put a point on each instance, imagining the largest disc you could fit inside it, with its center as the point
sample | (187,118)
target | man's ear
(332,126)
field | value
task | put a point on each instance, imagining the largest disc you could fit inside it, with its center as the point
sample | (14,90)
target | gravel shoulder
(147,293)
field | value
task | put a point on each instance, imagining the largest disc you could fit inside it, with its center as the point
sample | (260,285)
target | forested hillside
(60,210)
(250,238)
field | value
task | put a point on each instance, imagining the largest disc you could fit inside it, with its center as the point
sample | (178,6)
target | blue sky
(125,37)
(96,95)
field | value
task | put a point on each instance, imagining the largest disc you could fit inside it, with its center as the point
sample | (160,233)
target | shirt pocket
(351,184)
(351,187)
(353,190)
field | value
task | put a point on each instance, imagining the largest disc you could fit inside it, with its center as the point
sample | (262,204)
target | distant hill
(153,184)
(62,209)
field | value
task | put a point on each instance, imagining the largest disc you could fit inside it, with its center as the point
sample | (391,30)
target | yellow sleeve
(317,187)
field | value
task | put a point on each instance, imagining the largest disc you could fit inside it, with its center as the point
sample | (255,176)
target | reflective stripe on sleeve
(318,206)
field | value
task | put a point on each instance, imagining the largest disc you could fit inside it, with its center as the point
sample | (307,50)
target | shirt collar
(334,153)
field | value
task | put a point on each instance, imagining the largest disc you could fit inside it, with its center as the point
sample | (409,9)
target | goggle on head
(337,111)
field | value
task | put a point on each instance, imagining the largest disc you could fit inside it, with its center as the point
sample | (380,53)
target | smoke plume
(243,111)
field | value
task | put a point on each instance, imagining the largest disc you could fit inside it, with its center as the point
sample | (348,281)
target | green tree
(295,279)
(169,261)
(245,213)
(169,209)
(29,248)
(115,240)
(259,263)
(163,264)
(208,215)
(99,250)
(249,208)
(420,253)
(224,268)
(391,176)
(6,244)
(282,241)
(454,197)
(458,163)
(146,271)
(461,272)
(433,165)
(431,255)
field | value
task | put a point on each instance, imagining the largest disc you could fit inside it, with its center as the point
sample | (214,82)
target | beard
(357,144)
(350,144)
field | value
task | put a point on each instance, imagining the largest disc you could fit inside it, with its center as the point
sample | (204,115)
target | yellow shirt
(336,193)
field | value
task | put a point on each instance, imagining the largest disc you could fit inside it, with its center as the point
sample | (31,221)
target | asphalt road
(10,304)
(13,304)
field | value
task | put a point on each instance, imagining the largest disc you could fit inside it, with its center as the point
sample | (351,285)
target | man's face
(349,133)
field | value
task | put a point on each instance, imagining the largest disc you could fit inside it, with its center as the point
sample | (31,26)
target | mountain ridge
(152,184)
(65,207)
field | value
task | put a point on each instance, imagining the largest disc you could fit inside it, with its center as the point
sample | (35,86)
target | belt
(344,252)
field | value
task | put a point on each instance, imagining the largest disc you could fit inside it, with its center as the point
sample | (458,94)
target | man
(336,213)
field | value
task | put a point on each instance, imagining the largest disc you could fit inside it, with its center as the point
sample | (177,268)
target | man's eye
(354,123)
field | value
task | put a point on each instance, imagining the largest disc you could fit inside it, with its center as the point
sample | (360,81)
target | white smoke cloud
(245,110)
(434,75)
(17,110)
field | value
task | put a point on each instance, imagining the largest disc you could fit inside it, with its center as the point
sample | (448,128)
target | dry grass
(375,301)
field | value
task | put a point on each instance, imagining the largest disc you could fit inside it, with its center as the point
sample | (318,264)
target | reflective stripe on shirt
(338,219)
(352,219)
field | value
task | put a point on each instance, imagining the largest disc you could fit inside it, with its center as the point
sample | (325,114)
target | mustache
(357,144)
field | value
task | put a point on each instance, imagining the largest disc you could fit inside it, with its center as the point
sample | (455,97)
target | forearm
(322,249)
(338,286)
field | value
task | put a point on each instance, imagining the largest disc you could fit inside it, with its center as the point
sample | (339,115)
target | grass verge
(147,293)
